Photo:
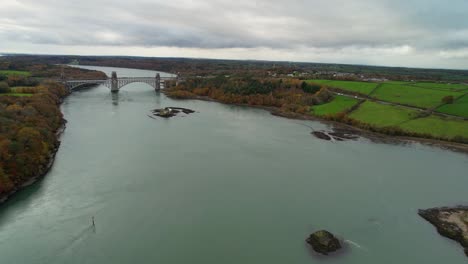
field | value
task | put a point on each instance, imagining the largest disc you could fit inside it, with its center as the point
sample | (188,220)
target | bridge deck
(115,83)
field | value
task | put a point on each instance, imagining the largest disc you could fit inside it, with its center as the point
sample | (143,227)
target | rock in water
(321,135)
(324,242)
(450,222)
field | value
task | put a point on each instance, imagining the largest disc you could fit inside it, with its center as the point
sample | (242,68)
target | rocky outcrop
(171,111)
(449,222)
(324,242)
(322,135)
(336,134)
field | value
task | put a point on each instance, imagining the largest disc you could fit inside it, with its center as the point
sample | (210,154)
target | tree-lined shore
(30,120)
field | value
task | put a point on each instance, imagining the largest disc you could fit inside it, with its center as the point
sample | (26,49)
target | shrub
(4,87)
(448,99)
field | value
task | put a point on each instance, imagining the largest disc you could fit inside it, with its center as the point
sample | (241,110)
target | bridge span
(114,83)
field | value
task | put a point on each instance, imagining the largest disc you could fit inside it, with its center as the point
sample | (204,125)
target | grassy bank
(337,105)
(15,73)
(430,98)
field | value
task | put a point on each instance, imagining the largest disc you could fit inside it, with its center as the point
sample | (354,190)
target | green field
(398,82)
(19,73)
(357,87)
(438,126)
(16,94)
(442,86)
(411,95)
(337,105)
(382,115)
(459,107)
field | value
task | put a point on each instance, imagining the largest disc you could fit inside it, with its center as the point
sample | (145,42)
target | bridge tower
(158,82)
(62,74)
(114,83)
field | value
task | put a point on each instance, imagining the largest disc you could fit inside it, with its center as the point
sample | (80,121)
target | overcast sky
(419,33)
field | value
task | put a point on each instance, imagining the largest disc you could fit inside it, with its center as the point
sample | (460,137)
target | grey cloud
(218,24)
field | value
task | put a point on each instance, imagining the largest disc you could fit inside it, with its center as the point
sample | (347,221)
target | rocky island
(168,112)
(450,222)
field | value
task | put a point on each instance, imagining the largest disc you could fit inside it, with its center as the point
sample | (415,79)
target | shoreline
(370,135)
(46,167)
(43,171)
(450,222)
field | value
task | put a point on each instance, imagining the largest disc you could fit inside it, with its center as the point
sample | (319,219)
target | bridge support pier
(158,83)
(114,83)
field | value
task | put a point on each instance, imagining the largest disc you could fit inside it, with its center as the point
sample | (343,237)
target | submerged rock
(335,134)
(324,242)
(322,135)
(449,222)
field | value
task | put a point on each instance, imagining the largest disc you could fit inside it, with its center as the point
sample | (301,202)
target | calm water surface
(225,185)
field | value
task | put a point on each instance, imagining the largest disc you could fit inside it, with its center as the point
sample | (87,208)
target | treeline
(6,82)
(208,67)
(27,134)
(290,95)
(43,69)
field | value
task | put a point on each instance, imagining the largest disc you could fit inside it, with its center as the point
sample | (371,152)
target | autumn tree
(4,87)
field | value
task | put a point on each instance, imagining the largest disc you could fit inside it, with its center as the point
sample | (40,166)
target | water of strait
(227,184)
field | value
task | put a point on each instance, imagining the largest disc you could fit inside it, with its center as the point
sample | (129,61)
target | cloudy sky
(419,33)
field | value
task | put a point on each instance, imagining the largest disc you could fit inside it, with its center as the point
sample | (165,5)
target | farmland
(15,73)
(382,115)
(16,94)
(355,87)
(437,126)
(442,86)
(337,105)
(404,104)
(459,107)
(411,95)
(417,94)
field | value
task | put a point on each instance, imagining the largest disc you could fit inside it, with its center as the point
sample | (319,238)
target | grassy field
(459,107)
(411,95)
(442,86)
(357,87)
(382,115)
(337,105)
(427,95)
(438,126)
(16,94)
(398,82)
(19,73)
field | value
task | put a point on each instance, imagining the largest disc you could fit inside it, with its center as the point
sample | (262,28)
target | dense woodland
(28,124)
(42,69)
(27,134)
(290,95)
